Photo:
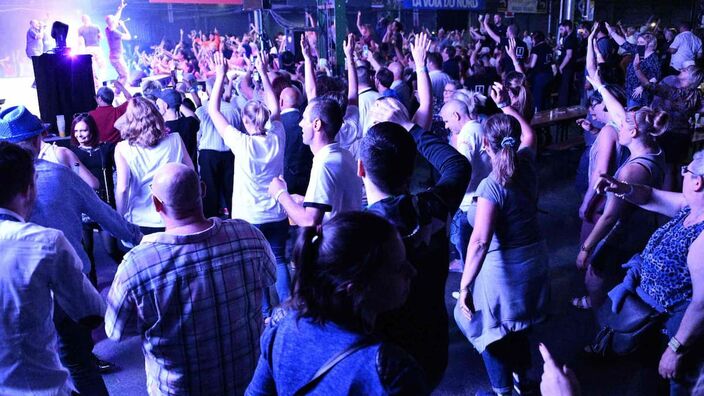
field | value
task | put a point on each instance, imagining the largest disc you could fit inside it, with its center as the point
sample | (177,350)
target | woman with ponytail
(623,229)
(504,289)
(348,272)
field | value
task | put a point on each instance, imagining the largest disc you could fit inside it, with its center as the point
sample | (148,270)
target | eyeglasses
(684,170)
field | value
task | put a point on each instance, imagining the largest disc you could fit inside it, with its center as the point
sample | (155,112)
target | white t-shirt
(469,144)
(143,162)
(366,100)
(258,159)
(334,186)
(350,132)
(689,48)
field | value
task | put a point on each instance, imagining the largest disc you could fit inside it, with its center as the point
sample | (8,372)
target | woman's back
(258,159)
(295,349)
(143,162)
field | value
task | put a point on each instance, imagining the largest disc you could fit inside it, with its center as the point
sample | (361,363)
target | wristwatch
(675,345)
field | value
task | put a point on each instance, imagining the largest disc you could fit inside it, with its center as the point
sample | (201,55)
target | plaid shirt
(196,301)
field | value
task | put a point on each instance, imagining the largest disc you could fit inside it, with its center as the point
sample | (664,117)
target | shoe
(104,367)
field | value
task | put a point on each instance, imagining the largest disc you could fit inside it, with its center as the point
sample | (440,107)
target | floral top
(664,272)
(650,67)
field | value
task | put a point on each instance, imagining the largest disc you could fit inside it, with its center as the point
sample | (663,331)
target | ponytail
(258,114)
(504,135)
(305,255)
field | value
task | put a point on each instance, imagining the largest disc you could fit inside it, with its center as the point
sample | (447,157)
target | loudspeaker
(64,86)
(251,5)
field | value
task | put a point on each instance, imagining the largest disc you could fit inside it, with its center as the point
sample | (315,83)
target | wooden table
(559,117)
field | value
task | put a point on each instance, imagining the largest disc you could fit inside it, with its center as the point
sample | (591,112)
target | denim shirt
(61,198)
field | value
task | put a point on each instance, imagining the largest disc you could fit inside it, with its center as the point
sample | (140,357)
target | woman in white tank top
(146,146)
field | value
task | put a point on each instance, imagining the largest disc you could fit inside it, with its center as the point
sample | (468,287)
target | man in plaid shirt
(193,293)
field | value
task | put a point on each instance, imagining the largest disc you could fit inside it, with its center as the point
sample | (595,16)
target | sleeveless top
(143,162)
(100,161)
(636,225)
(664,273)
(617,159)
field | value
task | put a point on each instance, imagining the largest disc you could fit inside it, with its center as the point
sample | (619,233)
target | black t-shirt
(480,83)
(187,127)
(506,63)
(544,58)
(568,43)
(452,68)
(100,161)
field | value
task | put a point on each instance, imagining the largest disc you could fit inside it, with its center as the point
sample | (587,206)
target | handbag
(623,332)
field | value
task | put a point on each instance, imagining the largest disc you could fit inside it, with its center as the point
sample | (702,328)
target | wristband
(501,105)
(278,194)
(421,69)
(675,345)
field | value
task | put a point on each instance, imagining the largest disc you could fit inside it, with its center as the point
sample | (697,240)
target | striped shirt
(208,136)
(196,302)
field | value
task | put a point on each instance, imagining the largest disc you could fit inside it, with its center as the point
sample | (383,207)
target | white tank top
(143,162)
(48,153)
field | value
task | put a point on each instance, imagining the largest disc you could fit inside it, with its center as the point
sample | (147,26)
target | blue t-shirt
(516,224)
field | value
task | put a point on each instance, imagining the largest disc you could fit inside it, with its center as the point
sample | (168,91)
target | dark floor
(565,333)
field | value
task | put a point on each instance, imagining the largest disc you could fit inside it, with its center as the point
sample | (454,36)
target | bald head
(290,98)
(178,188)
(455,106)
(397,70)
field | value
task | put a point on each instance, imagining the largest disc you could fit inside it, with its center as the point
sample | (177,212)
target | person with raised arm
(505,288)
(116,32)
(259,158)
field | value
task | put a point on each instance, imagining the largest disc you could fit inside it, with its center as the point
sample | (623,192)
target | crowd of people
(418,161)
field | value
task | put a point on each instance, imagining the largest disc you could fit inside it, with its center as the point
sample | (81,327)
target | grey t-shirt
(35,46)
(517,221)
(114,42)
(90,34)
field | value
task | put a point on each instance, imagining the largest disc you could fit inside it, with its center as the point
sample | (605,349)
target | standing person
(116,31)
(38,267)
(62,198)
(540,66)
(105,115)
(350,271)
(90,40)
(146,146)
(505,288)
(195,343)
(566,62)
(685,48)
(297,157)
(35,44)
(215,159)
(438,78)
(259,158)
(182,122)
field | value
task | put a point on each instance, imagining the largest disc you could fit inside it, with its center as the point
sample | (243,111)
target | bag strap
(332,362)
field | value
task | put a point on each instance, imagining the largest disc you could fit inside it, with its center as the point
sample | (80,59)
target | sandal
(583,302)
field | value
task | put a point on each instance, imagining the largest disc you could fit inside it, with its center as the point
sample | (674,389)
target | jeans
(505,357)
(541,89)
(75,347)
(460,231)
(276,234)
(564,97)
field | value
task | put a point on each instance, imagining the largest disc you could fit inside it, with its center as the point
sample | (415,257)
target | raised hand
(390,110)
(305,48)
(261,66)
(219,64)
(348,46)
(419,49)
(498,93)
(511,48)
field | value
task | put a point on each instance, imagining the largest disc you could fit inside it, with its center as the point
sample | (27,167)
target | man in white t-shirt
(466,137)
(367,95)
(686,47)
(334,185)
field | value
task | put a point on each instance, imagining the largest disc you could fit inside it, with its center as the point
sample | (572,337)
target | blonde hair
(145,125)
(651,123)
(258,115)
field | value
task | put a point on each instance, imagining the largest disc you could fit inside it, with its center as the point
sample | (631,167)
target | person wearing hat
(38,267)
(179,121)
(62,196)
(105,115)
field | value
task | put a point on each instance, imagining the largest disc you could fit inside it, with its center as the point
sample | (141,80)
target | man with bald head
(193,293)
(403,90)
(462,119)
(89,34)
(298,159)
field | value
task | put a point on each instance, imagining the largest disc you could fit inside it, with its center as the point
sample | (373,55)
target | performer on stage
(116,31)
(90,35)
(35,44)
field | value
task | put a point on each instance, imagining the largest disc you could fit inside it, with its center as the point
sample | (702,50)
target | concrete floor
(565,333)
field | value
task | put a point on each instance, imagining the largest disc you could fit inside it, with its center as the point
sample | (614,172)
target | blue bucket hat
(18,124)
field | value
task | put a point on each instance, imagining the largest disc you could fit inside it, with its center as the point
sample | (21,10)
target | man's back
(689,48)
(35,262)
(195,300)
(298,158)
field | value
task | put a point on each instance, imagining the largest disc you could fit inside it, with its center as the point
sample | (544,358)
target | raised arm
(614,34)
(270,99)
(511,51)
(308,66)
(424,114)
(359,21)
(490,31)
(219,121)
(666,203)
(615,109)
(500,97)
(118,13)
(352,84)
